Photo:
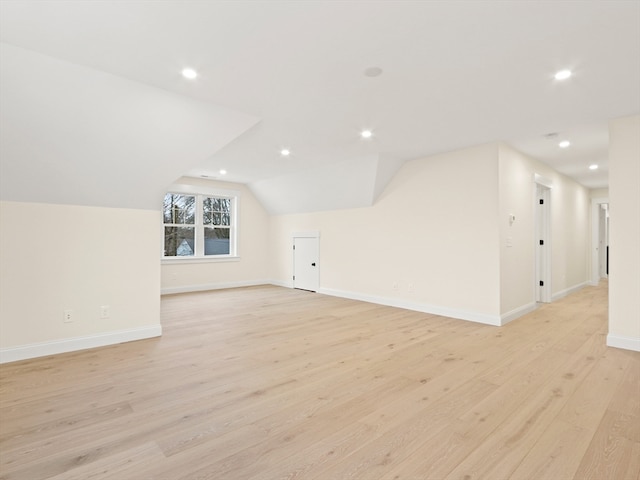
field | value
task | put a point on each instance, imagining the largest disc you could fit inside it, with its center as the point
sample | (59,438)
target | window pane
(225,205)
(207,211)
(179,208)
(216,211)
(179,241)
(216,241)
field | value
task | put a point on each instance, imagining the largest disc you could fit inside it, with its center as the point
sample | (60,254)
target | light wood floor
(272,383)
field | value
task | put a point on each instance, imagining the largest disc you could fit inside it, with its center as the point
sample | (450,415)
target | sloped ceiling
(454,74)
(353,184)
(74,135)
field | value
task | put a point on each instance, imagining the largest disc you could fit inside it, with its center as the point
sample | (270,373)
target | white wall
(251,266)
(351,185)
(598,193)
(570,233)
(624,233)
(442,226)
(570,237)
(70,132)
(517,272)
(438,232)
(57,257)
(435,226)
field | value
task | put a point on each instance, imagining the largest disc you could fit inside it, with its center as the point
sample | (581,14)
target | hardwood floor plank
(48,430)
(556,454)
(587,405)
(510,441)
(124,465)
(399,439)
(626,398)
(611,454)
(265,383)
(475,427)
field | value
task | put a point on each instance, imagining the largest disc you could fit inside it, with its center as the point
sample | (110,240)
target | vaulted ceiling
(95,111)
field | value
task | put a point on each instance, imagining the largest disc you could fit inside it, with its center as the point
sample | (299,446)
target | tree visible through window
(197,225)
(217,225)
(179,225)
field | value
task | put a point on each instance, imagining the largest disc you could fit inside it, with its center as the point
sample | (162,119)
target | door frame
(542,231)
(595,238)
(305,234)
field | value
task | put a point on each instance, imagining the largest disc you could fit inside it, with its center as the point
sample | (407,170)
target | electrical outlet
(396,286)
(104,312)
(410,287)
(67,316)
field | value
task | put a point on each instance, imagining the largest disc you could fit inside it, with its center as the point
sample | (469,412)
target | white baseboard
(627,343)
(567,291)
(517,313)
(415,306)
(279,283)
(213,286)
(34,350)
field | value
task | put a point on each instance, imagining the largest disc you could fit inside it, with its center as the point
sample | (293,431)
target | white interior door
(603,239)
(306,274)
(543,244)
(599,238)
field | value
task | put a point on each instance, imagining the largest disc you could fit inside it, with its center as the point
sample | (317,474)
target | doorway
(603,241)
(306,269)
(543,243)
(599,239)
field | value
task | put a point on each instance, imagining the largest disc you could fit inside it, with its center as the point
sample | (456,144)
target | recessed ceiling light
(223,172)
(564,144)
(562,74)
(189,73)
(285,152)
(373,72)
(593,167)
(366,134)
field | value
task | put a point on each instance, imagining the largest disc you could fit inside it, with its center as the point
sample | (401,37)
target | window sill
(189,260)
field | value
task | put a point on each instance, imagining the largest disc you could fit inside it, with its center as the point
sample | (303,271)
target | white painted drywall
(624,233)
(570,234)
(598,193)
(74,135)
(57,257)
(434,227)
(253,249)
(517,268)
(332,186)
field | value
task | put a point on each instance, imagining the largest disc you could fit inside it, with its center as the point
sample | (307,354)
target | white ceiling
(455,74)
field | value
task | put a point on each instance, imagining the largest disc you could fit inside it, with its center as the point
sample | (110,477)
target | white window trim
(208,259)
(199,256)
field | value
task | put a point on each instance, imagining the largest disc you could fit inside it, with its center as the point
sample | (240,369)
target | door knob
(313,264)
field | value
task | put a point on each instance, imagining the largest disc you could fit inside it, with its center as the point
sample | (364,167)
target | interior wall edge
(517,313)
(213,286)
(477,317)
(567,291)
(43,349)
(626,343)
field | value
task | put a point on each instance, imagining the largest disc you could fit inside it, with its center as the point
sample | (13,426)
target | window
(216,216)
(179,225)
(199,225)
